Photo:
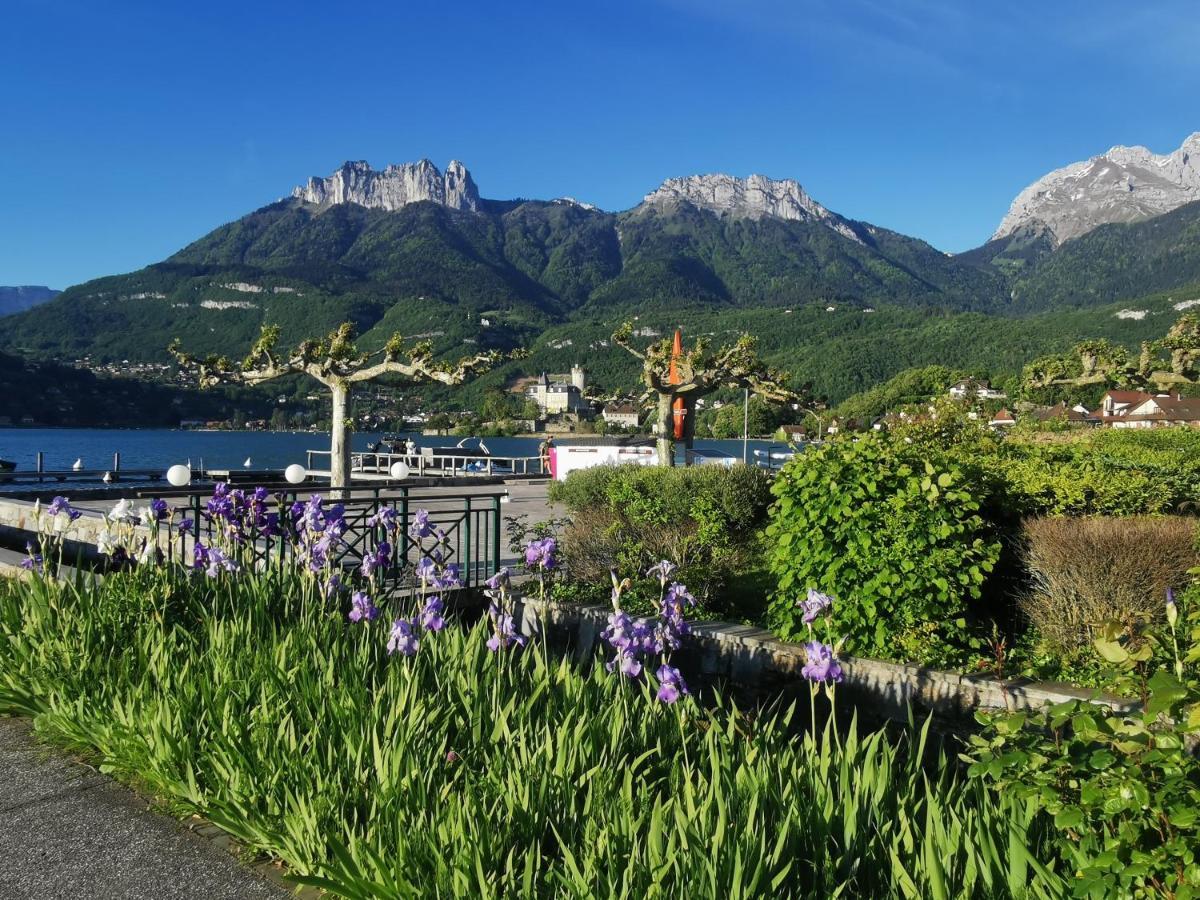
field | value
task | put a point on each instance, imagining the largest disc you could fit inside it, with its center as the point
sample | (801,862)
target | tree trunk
(341,427)
(666,431)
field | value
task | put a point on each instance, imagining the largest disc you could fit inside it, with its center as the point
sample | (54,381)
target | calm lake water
(155,448)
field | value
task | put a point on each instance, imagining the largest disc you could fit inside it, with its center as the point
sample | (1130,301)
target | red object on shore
(678,407)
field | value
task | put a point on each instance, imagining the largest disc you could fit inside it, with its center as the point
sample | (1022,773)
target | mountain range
(22,297)
(416,249)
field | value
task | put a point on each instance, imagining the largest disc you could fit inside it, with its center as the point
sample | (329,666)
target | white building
(1160,411)
(555,397)
(626,415)
(979,389)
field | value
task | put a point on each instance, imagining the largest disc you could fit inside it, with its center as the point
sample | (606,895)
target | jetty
(40,474)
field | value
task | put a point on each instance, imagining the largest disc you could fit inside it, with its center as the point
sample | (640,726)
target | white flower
(105,543)
(144,514)
(147,555)
(121,511)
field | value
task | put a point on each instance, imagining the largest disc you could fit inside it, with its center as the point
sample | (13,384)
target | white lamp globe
(399,470)
(295,473)
(179,475)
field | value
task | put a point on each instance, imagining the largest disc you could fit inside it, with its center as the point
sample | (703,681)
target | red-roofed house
(1162,410)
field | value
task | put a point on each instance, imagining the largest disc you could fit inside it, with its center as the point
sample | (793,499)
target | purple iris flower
(361,608)
(499,580)
(199,556)
(218,562)
(333,586)
(403,638)
(187,526)
(506,634)
(426,569)
(671,685)
(377,560)
(618,633)
(420,527)
(813,605)
(385,516)
(662,571)
(270,525)
(33,561)
(432,618)
(542,554)
(625,663)
(63,505)
(820,664)
(159,509)
(448,578)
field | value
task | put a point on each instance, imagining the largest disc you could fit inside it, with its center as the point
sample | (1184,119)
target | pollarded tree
(675,380)
(1101,362)
(336,363)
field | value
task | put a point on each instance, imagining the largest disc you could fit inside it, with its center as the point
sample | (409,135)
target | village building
(981,390)
(1160,411)
(624,415)
(555,397)
(1003,419)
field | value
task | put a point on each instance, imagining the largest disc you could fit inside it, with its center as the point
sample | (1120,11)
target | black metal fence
(471,523)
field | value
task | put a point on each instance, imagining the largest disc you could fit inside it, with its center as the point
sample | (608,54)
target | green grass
(253,704)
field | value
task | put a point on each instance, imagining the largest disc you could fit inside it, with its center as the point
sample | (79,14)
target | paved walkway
(67,831)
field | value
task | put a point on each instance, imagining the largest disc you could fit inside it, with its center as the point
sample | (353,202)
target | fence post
(467,573)
(495,566)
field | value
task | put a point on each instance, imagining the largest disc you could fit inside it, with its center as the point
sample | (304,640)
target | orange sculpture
(679,406)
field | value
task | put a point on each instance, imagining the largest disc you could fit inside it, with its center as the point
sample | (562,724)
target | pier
(40,474)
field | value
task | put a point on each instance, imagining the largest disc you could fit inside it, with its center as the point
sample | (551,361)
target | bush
(1088,571)
(894,532)
(1121,791)
(705,518)
(1109,472)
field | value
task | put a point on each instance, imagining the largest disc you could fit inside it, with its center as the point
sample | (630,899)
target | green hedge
(893,532)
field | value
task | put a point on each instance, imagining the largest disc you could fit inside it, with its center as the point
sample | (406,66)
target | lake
(159,448)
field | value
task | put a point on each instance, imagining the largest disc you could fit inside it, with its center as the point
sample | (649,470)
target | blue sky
(131,128)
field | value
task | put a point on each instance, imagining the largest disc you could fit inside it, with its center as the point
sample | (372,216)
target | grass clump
(462,772)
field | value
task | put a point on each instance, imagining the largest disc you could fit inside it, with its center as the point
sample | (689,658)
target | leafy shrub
(705,518)
(1087,571)
(1109,472)
(1123,792)
(892,530)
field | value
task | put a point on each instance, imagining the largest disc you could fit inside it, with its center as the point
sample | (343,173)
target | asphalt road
(66,831)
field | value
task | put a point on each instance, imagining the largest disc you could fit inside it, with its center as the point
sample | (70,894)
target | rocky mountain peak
(755,197)
(1126,184)
(393,187)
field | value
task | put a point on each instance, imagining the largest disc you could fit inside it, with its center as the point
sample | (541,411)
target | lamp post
(179,475)
(746,427)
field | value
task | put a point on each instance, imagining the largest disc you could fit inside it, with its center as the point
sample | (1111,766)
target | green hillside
(558,278)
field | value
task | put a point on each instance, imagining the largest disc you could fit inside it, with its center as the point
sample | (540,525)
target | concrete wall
(738,659)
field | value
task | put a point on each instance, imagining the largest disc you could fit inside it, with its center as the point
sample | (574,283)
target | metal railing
(443,465)
(471,523)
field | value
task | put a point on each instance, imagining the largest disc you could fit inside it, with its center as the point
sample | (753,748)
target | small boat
(460,456)
(77,466)
(247,464)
